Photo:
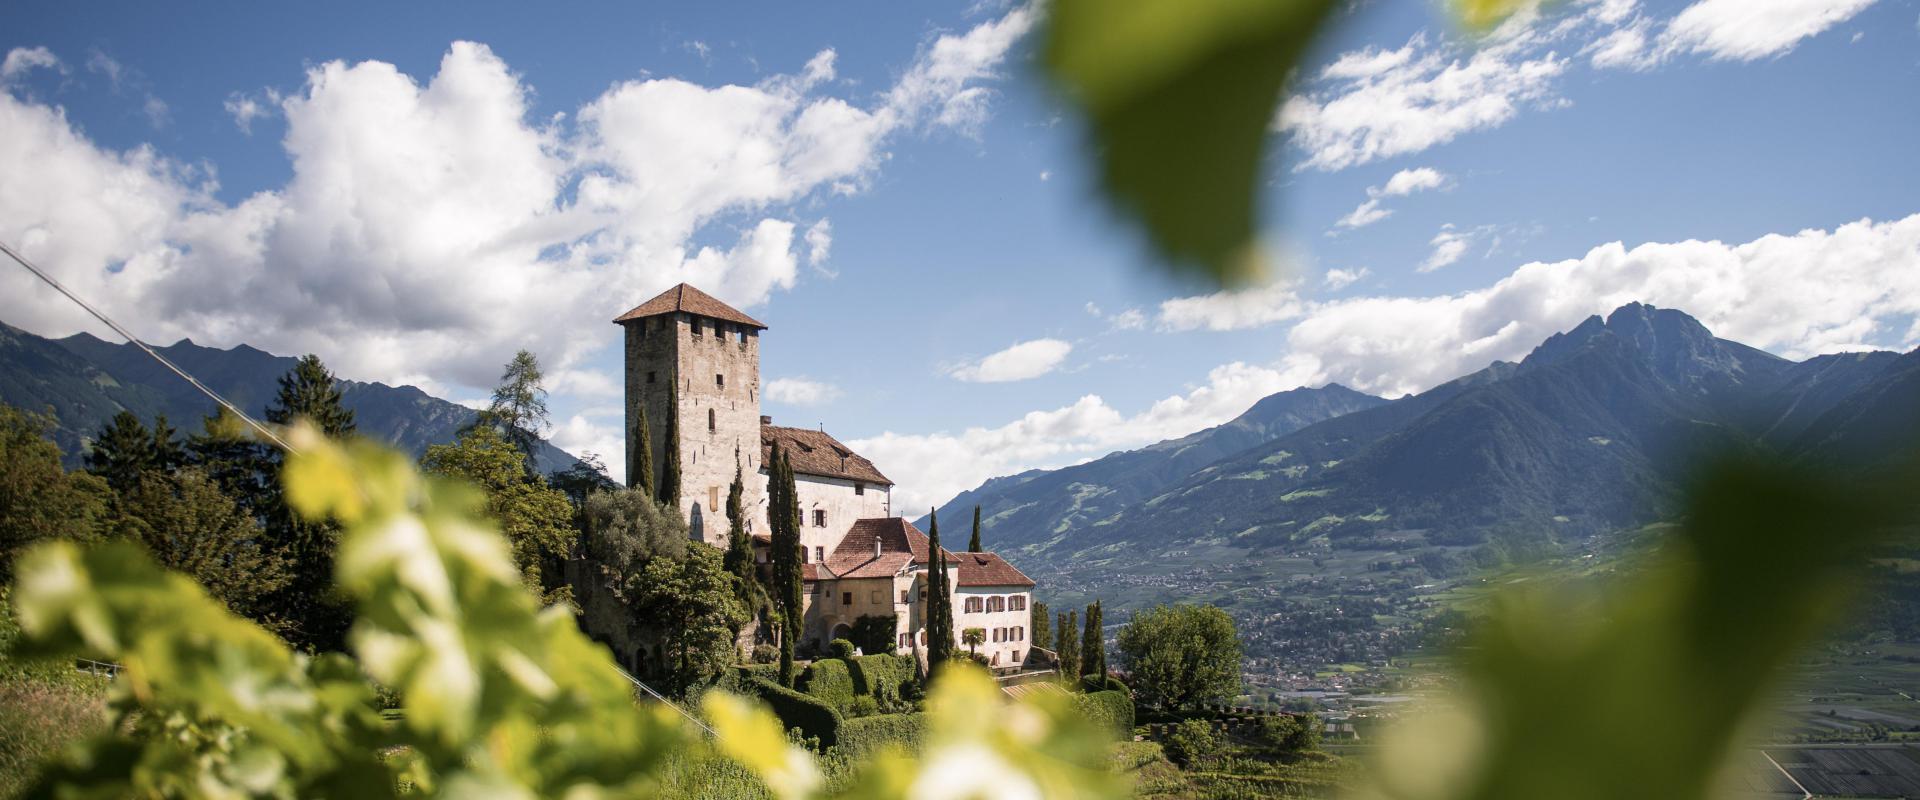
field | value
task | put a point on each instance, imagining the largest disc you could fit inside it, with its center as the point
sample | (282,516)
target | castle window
(1018,602)
(903,638)
(652,376)
(696,327)
(720,381)
(819,553)
(905,597)
(803,556)
(973,605)
(713,421)
(996,604)
(1014,656)
(859,488)
(713,497)
(846,598)
(819,518)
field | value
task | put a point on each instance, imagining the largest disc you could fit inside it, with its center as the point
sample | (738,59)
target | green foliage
(316,615)
(815,717)
(1179,656)
(867,735)
(226,452)
(519,407)
(39,499)
(1111,709)
(1067,643)
(190,527)
(1040,625)
(939,614)
(1562,679)
(1093,645)
(973,638)
(783,524)
(1290,734)
(885,677)
(830,681)
(582,480)
(625,528)
(690,605)
(125,450)
(640,456)
(669,477)
(840,648)
(1191,742)
(536,518)
(1180,124)
(766,654)
(874,633)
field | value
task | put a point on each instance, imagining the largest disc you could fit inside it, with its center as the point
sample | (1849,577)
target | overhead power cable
(135,341)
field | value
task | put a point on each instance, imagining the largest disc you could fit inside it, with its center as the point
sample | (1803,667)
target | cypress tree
(939,600)
(1040,624)
(974,546)
(1068,634)
(782,519)
(1091,643)
(640,456)
(739,559)
(670,472)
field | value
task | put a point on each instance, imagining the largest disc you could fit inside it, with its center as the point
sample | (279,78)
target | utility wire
(131,339)
(656,695)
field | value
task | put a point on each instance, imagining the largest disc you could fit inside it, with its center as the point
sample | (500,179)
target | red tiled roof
(816,453)
(988,569)
(692,301)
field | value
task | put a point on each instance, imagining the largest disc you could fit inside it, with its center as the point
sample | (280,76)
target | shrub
(1192,741)
(862,706)
(840,648)
(1110,708)
(1290,734)
(886,678)
(867,734)
(765,654)
(1099,683)
(814,718)
(829,681)
(874,633)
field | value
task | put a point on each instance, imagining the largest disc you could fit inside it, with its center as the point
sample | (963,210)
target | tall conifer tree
(939,600)
(784,530)
(1040,621)
(317,615)
(974,545)
(122,452)
(1068,634)
(519,407)
(1092,647)
(640,456)
(670,471)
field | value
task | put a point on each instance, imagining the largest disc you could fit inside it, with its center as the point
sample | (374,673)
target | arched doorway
(841,631)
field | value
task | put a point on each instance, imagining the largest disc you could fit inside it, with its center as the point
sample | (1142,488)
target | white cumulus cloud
(21,60)
(1337,279)
(1403,183)
(1020,362)
(1233,309)
(801,391)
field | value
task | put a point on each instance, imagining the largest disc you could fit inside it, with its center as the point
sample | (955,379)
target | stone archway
(841,631)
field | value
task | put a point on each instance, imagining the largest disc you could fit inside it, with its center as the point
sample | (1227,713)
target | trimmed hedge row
(829,681)
(1111,708)
(813,717)
(867,734)
(881,676)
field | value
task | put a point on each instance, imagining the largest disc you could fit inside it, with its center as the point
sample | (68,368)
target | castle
(693,364)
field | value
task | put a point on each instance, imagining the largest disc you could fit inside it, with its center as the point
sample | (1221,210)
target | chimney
(766,420)
(876,547)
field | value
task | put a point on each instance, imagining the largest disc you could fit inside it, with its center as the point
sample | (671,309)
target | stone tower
(687,352)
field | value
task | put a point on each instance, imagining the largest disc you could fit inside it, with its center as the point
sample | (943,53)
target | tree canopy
(1179,656)
(536,518)
(40,499)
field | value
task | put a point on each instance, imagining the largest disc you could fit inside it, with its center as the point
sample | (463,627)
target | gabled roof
(816,453)
(692,301)
(900,545)
(988,569)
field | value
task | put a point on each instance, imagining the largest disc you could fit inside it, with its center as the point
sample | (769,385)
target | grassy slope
(43,707)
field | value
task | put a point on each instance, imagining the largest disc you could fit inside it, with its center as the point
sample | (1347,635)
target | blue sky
(414,193)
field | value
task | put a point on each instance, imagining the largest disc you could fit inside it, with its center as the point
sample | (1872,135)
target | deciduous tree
(191,527)
(1180,656)
(40,499)
(535,517)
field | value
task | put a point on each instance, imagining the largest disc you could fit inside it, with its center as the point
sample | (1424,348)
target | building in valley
(693,366)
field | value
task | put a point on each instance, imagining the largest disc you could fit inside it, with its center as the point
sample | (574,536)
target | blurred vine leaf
(1645,687)
(1483,15)
(1180,97)
(500,698)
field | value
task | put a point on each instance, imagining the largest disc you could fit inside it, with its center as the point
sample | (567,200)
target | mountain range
(1594,431)
(84,381)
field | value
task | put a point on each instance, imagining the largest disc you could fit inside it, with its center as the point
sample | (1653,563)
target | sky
(416,191)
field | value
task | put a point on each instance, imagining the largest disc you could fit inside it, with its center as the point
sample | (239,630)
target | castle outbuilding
(693,366)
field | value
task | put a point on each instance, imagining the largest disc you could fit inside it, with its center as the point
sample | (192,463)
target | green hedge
(867,734)
(881,676)
(829,681)
(1111,708)
(813,717)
